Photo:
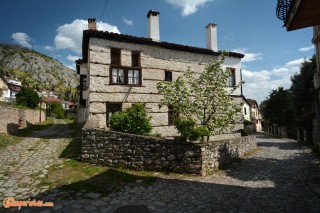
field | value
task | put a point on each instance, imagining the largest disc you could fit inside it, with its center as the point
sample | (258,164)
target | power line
(104,8)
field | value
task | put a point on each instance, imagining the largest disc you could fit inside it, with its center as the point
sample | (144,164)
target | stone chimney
(153,25)
(212,37)
(92,25)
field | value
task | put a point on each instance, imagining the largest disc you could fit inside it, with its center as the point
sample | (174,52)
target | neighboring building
(246,109)
(3,89)
(298,14)
(256,117)
(118,70)
(14,87)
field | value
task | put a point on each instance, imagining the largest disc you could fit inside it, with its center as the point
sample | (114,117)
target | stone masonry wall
(9,118)
(114,149)
(154,62)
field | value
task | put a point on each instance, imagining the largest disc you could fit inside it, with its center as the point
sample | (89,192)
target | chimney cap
(153,13)
(91,20)
(211,24)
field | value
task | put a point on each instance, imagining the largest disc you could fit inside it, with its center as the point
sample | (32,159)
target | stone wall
(9,118)
(114,149)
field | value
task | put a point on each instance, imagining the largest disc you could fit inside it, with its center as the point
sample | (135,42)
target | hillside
(37,70)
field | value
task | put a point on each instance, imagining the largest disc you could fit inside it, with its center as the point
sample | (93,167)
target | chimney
(153,25)
(92,25)
(212,41)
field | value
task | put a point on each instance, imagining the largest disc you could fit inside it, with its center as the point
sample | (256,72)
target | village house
(9,88)
(255,114)
(118,70)
(246,109)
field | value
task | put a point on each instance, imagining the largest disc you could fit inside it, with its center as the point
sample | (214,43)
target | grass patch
(8,139)
(74,176)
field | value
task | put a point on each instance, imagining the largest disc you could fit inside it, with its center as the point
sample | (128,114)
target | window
(125,76)
(117,76)
(245,111)
(168,76)
(135,57)
(111,109)
(231,78)
(115,56)
(133,77)
(172,115)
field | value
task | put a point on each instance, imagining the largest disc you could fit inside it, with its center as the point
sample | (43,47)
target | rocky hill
(37,70)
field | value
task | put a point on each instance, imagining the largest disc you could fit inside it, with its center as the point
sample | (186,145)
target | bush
(244,132)
(57,110)
(188,129)
(133,120)
(27,97)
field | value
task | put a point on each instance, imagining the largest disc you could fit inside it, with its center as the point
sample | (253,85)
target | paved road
(279,177)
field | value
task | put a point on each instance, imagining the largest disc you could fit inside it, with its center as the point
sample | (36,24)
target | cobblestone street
(281,176)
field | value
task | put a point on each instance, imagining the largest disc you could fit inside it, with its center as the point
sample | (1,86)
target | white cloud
(306,49)
(127,21)
(70,35)
(188,6)
(73,57)
(258,84)
(49,48)
(248,57)
(22,38)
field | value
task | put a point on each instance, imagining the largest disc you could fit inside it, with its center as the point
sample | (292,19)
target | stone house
(118,70)
(297,14)
(3,89)
(10,87)
(255,113)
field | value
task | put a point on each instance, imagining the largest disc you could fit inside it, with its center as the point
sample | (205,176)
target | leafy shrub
(56,110)
(27,97)
(133,120)
(188,129)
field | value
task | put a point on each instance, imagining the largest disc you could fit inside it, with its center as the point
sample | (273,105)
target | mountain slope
(37,71)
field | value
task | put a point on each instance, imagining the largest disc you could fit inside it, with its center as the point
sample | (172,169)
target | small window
(231,78)
(172,115)
(135,57)
(245,111)
(111,109)
(133,77)
(115,56)
(117,76)
(168,76)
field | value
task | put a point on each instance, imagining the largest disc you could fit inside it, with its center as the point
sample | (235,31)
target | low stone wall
(9,118)
(114,149)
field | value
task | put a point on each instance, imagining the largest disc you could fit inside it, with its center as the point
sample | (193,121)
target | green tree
(56,110)
(278,108)
(203,97)
(133,120)
(27,97)
(303,90)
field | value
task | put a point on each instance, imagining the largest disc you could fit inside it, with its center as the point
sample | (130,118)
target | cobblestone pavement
(281,176)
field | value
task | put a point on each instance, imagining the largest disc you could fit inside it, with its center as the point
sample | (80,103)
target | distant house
(11,89)
(256,117)
(246,109)
(3,89)
(117,71)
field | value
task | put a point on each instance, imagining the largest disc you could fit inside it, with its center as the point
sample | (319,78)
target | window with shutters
(111,109)
(232,77)
(115,56)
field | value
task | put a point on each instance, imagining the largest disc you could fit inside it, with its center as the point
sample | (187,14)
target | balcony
(297,14)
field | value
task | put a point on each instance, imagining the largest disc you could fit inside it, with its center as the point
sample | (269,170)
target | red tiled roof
(52,100)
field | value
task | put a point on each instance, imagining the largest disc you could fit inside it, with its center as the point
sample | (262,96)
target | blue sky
(250,27)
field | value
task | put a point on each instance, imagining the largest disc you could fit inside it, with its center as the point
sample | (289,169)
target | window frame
(138,58)
(108,106)
(168,75)
(114,51)
(172,115)
(125,75)
(232,73)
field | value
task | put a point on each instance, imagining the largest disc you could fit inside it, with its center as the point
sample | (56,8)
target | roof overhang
(303,13)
